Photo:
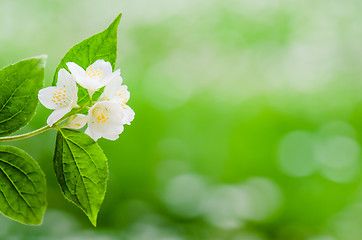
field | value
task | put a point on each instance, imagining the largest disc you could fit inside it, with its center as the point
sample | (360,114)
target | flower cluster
(106,116)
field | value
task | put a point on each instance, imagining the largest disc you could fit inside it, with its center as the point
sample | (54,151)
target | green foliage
(83,96)
(89,194)
(80,165)
(19,83)
(100,46)
(22,186)
(82,171)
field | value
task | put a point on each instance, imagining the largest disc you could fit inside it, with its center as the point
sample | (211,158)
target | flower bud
(76,121)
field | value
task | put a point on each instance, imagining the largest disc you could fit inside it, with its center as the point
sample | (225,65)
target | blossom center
(121,94)
(94,73)
(101,115)
(59,97)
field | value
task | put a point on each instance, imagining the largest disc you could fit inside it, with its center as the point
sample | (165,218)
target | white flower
(76,121)
(95,76)
(115,91)
(61,98)
(105,120)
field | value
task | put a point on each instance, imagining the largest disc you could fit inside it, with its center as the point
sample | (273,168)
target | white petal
(108,78)
(123,95)
(112,87)
(79,74)
(113,133)
(45,96)
(111,127)
(73,103)
(56,115)
(66,80)
(95,83)
(102,65)
(128,115)
(63,78)
(90,133)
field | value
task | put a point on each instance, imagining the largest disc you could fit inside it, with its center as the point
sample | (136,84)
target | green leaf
(82,171)
(22,186)
(20,84)
(83,96)
(100,46)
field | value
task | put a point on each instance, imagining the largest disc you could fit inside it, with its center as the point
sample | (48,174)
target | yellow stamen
(93,73)
(101,116)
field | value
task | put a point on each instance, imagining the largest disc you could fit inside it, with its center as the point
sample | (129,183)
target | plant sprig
(80,165)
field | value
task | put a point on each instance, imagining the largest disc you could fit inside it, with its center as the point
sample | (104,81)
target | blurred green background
(248,118)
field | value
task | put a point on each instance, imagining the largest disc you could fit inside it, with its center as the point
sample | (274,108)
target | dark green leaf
(19,87)
(22,186)
(82,171)
(100,46)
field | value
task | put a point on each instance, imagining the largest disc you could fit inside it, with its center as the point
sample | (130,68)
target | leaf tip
(118,17)
(93,220)
(42,59)
(116,21)
(38,221)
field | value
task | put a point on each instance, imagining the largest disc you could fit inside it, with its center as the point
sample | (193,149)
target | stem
(43,129)
(25,135)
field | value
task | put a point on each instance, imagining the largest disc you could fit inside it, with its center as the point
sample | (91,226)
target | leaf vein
(19,192)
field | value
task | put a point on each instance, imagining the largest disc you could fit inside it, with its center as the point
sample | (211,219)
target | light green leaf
(22,186)
(100,46)
(20,84)
(82,171)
